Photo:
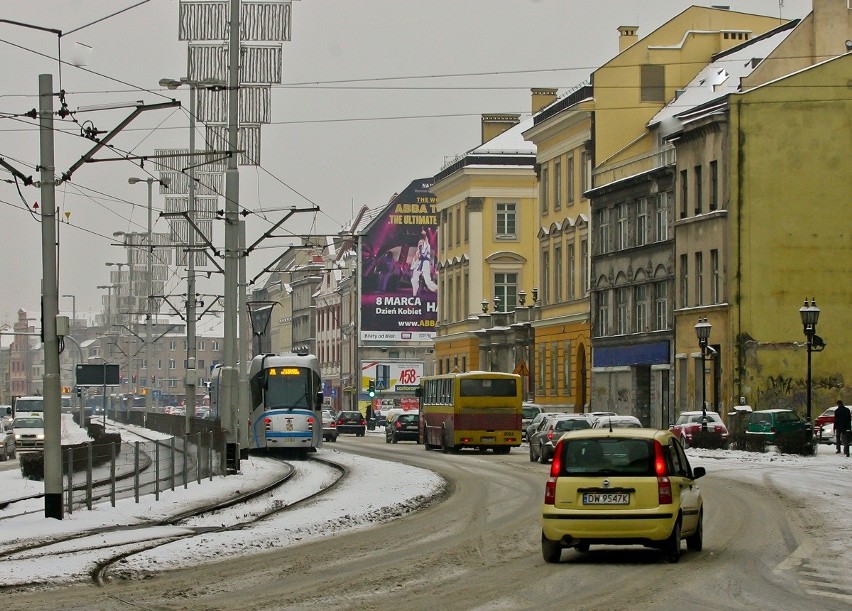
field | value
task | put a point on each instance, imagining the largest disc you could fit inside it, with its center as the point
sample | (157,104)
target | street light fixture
(215,85)
(702,331)
(810,318)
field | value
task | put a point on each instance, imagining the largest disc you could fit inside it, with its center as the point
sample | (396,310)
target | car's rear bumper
(353,429)
(607,525)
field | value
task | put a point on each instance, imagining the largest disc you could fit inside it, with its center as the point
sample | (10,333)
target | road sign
(157,394)
(381,385)
(521,368)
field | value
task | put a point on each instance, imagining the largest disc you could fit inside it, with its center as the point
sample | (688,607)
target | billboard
(400,377)
(399,279)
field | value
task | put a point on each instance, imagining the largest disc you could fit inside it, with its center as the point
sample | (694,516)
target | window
(449,227)
(684,194)
(584,265)
(653,83)
(201,345)
(661,221)
(215,346)
(684,281)
(541,366)
(640,306)
(458,305)
(699,278)
(554,368)
(458,226)
(201,365)
(506,288)
(450,301)
(506,220)
(172,345)
(557,274)
(572,272)
(566,367)
(714,185)
(586,172)
(545,277)
(621,236)
(569,179)
(661,306)
(715,295)
(172,383)
(621,311)
(545,188)
(641,222)
(557,184)
(172,364)
(603,231)
(466,224)
(603,313)
(699,187)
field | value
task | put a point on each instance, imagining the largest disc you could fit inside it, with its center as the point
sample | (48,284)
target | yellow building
(562,135)
(487,209)
(762,221)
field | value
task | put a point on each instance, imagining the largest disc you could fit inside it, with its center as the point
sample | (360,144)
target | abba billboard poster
(399,279)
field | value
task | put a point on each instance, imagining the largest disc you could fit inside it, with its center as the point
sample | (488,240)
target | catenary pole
(50,307)
(191,371)
(229,377)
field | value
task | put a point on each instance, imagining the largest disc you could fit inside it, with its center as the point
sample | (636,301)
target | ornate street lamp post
(810,317)
(702,331)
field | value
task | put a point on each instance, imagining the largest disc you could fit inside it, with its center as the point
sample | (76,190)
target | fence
(104,469)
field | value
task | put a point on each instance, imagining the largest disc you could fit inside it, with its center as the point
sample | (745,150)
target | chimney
(541,98)
(628,36)
(494,125)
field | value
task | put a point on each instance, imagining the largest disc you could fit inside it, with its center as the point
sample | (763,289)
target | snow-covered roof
(510,142)
(718,79)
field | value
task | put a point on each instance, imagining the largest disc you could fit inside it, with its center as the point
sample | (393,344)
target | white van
(29,406)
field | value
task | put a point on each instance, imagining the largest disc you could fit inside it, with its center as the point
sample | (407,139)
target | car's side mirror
(671,424)
(698,472)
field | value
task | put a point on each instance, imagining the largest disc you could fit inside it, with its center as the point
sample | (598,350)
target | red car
(689,423)
(827,417)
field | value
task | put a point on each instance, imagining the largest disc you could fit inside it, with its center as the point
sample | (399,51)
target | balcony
(633,166)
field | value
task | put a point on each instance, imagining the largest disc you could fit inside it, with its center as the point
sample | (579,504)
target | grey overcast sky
(347,129)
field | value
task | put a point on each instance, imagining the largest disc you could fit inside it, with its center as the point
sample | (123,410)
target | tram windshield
(289,387)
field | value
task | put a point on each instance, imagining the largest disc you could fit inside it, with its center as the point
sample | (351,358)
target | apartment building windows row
(693,189)
(623,310)
(561,266)
(626,225)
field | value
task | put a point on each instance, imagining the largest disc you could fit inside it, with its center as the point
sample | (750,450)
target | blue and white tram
(286,402)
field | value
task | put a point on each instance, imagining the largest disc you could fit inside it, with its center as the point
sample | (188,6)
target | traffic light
(371,389)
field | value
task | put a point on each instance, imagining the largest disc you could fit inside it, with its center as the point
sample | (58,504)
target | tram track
(198,521)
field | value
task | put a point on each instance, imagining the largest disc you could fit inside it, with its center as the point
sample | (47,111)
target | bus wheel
(445,447)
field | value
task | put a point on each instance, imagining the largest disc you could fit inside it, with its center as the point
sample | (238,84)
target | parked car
(7,443)
(617,422)
(768,423)
(689,423)
(625,487)
(6,414)
(536,422)
(824,425)
(351,422)
(546,436)
(329,426)
(29,433)
(530,411)
(403,426)
(593,416)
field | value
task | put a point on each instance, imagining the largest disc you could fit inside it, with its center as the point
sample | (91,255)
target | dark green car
(769,422)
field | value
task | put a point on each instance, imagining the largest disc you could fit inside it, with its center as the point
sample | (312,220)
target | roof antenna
(610,424)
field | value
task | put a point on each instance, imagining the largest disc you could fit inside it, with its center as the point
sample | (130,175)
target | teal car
(769,422)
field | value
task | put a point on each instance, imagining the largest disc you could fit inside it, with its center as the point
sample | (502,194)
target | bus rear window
(488,388)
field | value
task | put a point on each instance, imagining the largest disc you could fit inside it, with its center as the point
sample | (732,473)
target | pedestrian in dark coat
(842,426)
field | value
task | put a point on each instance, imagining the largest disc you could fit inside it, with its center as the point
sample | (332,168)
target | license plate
(484,439)
(606,498)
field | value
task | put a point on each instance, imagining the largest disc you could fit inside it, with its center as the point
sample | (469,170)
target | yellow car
(621,487)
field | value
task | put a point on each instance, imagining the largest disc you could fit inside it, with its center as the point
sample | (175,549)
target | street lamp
(810,318)
(149,322)
(702,331)
(191,316)
(108,287)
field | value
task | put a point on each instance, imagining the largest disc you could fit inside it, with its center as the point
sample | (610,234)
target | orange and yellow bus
(476,409)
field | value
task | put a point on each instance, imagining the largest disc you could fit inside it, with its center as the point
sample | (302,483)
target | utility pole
(230,376)
(50,307)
